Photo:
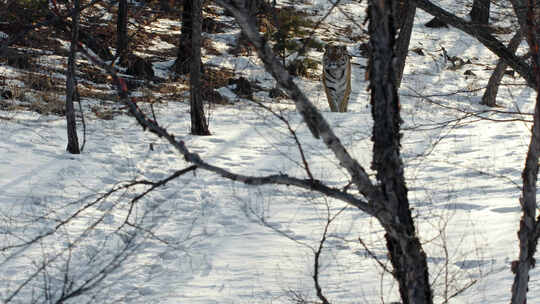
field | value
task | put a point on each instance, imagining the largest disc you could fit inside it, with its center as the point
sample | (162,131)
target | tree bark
(406,254)
(199,125)
(121,30)
(480,12)
(73,141)
(490,95)
(183,54)
(404,38)
(529,226)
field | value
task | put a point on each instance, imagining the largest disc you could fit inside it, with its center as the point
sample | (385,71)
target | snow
(217,241)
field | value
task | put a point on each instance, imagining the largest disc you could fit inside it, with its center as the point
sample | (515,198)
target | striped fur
(336,77)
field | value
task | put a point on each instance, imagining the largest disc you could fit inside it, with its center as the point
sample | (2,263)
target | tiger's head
(335,56)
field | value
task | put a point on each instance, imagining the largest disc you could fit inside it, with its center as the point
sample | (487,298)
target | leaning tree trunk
(121,30)
(480,11)
(199,125)
(405,24)
(73,140)
(490,95)
(405,250)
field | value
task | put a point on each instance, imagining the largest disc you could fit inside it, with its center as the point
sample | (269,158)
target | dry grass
(87,92)
(48,103)
(44,93)
(40,93)
(217,77)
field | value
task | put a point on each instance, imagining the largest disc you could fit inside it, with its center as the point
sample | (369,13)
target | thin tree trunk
(406,254)
(121,30)
(184,52)
(480,11)
(404,38)
(187,20)
(529,226)
(199,125)
(73,140)
(490,95)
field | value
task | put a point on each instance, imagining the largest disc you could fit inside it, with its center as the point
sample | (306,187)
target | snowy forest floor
(203,239)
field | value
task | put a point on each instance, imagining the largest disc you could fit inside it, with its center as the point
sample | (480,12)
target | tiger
(336,77)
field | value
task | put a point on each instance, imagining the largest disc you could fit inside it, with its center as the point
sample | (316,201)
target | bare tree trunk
(490,95)
(480,11)
(184,52)
(402,44)
(73,140)
(121,30)
(529,226)
(405,250)
(199,125)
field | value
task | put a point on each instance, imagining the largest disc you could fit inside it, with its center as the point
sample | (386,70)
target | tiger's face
(335,56)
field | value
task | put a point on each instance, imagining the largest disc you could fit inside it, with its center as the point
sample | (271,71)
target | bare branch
(317,124)
(90,283)
(483,36)
(280,179)
(374,256)
(154,186)
(295,137)
(470,113)
(317,255)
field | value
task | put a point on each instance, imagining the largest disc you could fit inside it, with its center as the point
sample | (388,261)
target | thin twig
(477,114)
(317,253)
(374,256)
(154,186)
(293,133)
(316,265)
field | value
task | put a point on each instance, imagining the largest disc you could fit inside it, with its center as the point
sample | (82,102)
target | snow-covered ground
(203,239)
